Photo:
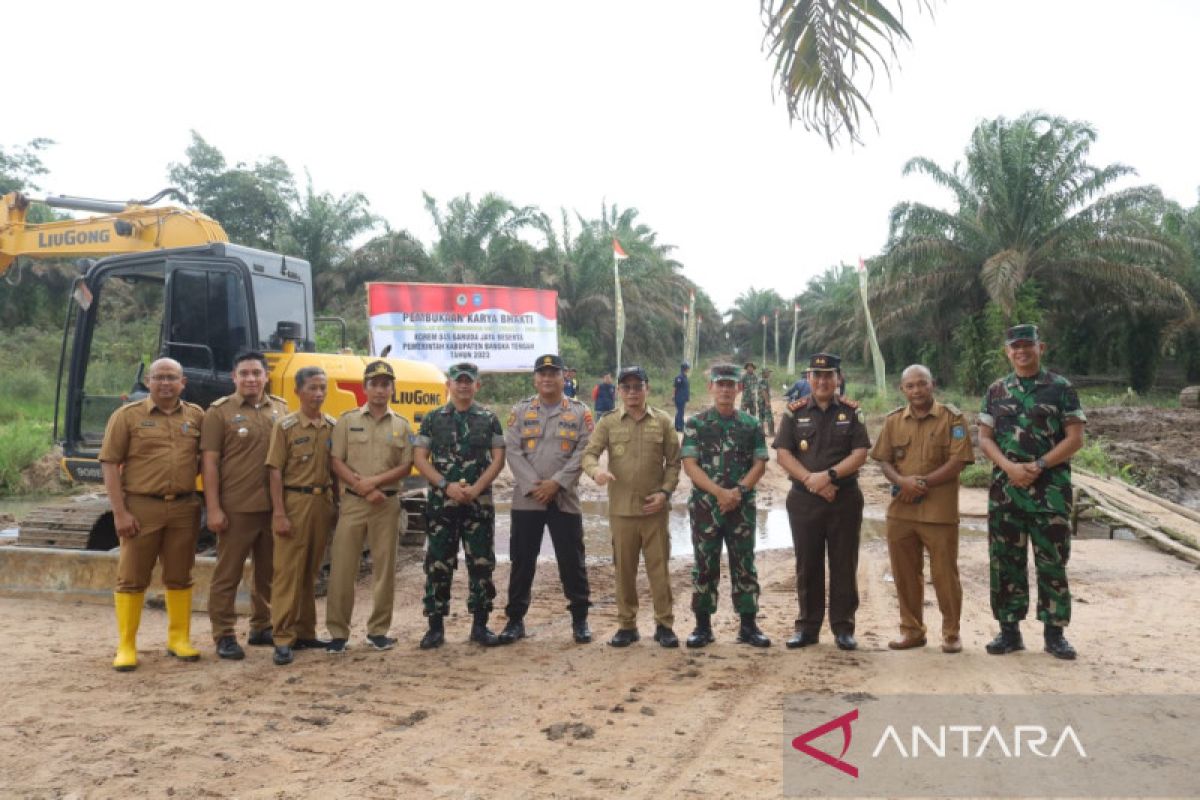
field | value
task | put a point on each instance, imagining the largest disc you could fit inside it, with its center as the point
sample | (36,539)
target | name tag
(148,423)
(301,439)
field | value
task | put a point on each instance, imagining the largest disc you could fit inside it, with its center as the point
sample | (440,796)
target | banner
(500,328)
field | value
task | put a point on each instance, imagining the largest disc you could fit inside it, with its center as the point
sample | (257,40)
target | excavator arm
(119,228)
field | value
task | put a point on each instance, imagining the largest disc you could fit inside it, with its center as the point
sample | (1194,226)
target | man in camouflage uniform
(725,454)
(460,451)
(1030,426)
(750,390)
(764,403)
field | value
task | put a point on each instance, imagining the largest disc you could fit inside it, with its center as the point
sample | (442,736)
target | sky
(666,106)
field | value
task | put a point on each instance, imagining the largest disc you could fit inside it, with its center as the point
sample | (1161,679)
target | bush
(976,476)
(21,444)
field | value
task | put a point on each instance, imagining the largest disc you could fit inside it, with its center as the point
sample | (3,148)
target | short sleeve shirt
(157,450)
(299,449)
(725,448)
(372,446)
(547,442)
(240,433)
(821,439)
(919,445)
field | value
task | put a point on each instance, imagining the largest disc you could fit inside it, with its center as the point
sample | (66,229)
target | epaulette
(193,406)
(329,419)
(953,409)
(220,401)
(798,404)
(349,411)
(277,397)
(896,410)
(289,421)
(848,403)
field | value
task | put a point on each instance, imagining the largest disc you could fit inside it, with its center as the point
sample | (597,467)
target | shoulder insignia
(953,409)
(330,420)
(346,413)
(796,405)
(220,401)
(895,410)
(512,418)
(288,422)
(588,422)
(277,397)
(848,403)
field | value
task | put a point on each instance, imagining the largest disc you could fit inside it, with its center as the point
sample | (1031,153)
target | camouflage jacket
(724,447)
(460,444)
(750,381)
(1027,423)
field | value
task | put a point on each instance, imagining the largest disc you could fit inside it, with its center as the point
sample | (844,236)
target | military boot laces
(749,633)
(480,632)
(436,635)
(1057,644)
(1007,641)
(703,634)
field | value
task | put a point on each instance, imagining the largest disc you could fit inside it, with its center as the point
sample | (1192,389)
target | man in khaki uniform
(372,453)
(302,502)
(233,444)
(643,470)
(922,448)
(149,460)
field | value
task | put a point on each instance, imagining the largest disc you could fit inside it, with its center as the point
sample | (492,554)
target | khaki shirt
(919,445)
(300,450)
(240,433)
(158,451)
(643,455)
(547,442)
(370,446)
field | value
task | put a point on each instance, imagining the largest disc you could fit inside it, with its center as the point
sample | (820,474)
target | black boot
(1057,644)
(703,634)
(750,634)
(480,632)
(514,629)
(1007,641)
(436,635)
(579,628)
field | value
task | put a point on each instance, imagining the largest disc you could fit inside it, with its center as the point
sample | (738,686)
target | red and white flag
(618,251)
(862,265)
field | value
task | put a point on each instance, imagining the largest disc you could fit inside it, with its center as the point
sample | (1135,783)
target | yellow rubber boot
(179,625)
(129,616)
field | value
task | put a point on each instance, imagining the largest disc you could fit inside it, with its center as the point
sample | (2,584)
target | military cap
(548,361)
(1021,333)
(824,362)
(749,364)
(456,371)
(632,372)
(724,372)
(379,369)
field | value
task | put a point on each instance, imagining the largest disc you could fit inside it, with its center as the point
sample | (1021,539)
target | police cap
(548,361)
(824,362)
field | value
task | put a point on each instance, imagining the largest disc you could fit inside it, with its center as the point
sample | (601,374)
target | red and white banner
(500,328)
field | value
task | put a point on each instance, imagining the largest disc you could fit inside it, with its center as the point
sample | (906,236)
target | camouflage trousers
(710,529)
(475,526)
(766,416)
(1009,533)
(750,405)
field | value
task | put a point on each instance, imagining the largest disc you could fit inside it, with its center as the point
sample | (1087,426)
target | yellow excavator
(168,283)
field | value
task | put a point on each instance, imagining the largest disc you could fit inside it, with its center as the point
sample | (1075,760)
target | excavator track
(76,525)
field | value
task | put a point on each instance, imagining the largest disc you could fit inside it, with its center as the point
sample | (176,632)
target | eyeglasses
(633,387)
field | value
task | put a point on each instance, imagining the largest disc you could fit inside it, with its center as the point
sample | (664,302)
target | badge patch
(619,450)
(301,439)
(243,432)
(238,418)
(804,445)
(569,416)
(957,432)
(531,414)
(588,422)
(531,444)
(841,417)
(566,446)
(148,423)
(512,418)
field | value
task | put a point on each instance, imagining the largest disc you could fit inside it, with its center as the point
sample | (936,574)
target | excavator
(165,281)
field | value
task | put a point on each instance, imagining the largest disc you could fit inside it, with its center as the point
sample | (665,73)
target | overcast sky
(663,106)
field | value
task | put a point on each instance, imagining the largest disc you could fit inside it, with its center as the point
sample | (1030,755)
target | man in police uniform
(821,444)
(682,393)
(372,453)
(302,502)
(460,451)
(921,449)
(764,402)
(643,470)
(149,459)
(725,454)
(545,438)
(233,444)
(750,390)
(1030,426)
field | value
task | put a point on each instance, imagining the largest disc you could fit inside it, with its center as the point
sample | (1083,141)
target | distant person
(921,449)
(149,458)
(1030,426)
(799,389)
(570,384)
(604,396)
(750,390)
(233,444)
(682,393)
(765,414)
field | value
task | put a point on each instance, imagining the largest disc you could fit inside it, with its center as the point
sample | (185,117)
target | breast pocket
(1045,419)
(902,451)
(1007,415)
(618,444)
(151,439)
(531,434)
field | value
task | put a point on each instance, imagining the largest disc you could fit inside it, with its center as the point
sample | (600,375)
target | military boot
(750,634)
(436,635)
(703,634)
(579,627)
(1007,641)
(480,632)
(1057,644)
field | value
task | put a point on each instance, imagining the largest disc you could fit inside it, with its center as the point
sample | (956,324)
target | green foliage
(1094,457)
(21,444)
(20,166)
(976,476)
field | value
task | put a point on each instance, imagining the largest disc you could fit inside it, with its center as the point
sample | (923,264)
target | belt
(167,497)
(308,489)
(849,482)
(386,492)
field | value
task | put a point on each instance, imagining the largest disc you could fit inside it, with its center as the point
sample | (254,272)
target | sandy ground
(544,717)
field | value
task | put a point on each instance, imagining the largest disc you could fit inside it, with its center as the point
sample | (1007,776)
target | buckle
(318,489)
(169,497)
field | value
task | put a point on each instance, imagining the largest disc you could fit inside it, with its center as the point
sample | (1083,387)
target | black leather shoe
(227,647)
(381,641)
(435,636)
(514,629)
(261,638)
(801,639)
(845,641)
(283,655)
(1057,644)
(1008,640)
(581,631)
(624,637)
(480,632)
(310,644)
(665,636)
(749,633)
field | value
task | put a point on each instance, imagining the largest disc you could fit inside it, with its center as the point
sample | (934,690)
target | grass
(976,476)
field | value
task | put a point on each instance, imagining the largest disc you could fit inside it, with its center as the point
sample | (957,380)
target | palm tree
(479,243)
(745,324)
(823,51)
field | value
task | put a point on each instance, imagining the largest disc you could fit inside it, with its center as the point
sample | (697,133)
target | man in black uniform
(822,443)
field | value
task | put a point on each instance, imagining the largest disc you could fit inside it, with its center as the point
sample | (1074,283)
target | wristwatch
(742,490)
(1040,463)
(833,474)
(443,483)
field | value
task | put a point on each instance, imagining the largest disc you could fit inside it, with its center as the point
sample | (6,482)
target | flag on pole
(791,368)
(618,254)
(618,251)
(777,338)
(876,353)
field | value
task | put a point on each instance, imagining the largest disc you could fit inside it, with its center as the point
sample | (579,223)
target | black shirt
(820,439)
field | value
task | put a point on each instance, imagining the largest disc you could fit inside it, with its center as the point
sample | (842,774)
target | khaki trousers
(248,534)
(906,543)
(296,561)
(379,526)
(634,537)
(168,530)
